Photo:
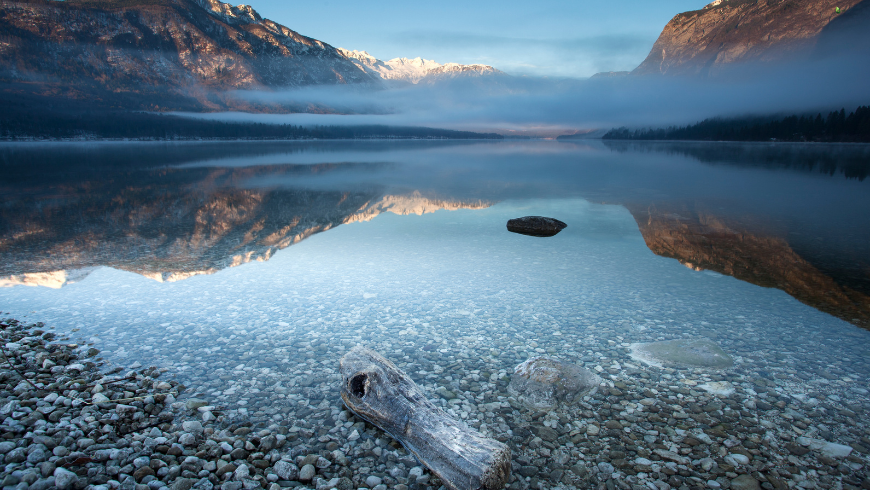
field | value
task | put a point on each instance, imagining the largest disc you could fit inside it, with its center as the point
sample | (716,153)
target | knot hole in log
(358,385)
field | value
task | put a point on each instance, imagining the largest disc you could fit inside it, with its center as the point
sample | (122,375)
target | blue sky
(554,38)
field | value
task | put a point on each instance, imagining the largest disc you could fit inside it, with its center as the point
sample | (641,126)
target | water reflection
(848,160)
(778,216)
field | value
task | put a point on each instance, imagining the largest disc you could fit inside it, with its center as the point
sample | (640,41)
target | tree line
(26,124)
(836,127)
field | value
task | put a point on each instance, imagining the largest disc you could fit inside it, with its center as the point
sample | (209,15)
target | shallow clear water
(452,297)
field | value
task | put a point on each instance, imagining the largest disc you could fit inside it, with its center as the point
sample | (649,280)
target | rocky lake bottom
(457,307)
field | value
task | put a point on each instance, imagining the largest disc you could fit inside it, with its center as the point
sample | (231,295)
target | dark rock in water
(535,226)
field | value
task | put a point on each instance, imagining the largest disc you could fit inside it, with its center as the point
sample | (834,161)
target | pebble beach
(83,425)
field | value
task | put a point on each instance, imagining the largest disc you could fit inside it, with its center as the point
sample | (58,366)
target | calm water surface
(248,269)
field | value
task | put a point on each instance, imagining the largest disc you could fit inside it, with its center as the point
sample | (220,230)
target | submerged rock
(682,353)
(535,226)
(722,388)
(829,449)
(542,382)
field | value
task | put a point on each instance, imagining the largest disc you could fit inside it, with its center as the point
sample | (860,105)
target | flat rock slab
(539,226)
(543,382)
(829,449)
(703,353)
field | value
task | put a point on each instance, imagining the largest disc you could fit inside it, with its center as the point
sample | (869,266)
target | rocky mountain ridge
(414,70)
(190,55)
(164,52)
(725,32)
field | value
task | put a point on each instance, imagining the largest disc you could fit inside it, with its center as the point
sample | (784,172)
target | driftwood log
(540,226)
(376,390)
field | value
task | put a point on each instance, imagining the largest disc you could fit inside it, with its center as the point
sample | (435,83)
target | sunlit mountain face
(169,212)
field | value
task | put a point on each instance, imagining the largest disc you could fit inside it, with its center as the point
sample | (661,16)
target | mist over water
(523,103)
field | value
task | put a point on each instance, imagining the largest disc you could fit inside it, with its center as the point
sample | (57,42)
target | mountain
(703,42)
(158,54)
(414,70)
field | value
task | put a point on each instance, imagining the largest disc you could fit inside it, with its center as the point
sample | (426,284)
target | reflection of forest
(853,161)
(169,224)
(701,239)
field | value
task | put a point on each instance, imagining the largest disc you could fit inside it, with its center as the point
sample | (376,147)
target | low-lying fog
(525,103)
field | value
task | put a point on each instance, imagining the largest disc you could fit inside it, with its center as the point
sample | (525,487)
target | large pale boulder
(543,382)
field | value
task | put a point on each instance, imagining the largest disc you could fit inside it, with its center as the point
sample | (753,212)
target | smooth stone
(307,472)
(539,226)
(736,459)
(373,481)
(100,398)
(672,456)
(192,426)
(194,403)
(543,382)
(64,479)
(187,439)
(745,482)
(722,388)
(682,353)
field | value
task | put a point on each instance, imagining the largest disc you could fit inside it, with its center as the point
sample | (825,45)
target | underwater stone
(682,353)
(542,382)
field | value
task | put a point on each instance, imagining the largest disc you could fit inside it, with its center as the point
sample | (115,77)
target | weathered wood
(539,226)
(376,390)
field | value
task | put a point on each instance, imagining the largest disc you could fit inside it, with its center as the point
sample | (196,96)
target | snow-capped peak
(412,69)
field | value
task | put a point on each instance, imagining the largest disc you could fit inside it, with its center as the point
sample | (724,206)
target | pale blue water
(263,338)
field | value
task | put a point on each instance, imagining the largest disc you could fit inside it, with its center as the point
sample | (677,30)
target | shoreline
(654,427)
(96,430)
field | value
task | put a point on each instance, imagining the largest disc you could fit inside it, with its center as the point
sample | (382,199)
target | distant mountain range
(704,42)
(414,70)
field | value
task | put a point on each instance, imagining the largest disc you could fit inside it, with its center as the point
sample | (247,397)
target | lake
(249,268)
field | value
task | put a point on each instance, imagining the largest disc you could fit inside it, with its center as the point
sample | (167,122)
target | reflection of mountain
(172,224)
(53,279)
(414,203)
(702,240)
